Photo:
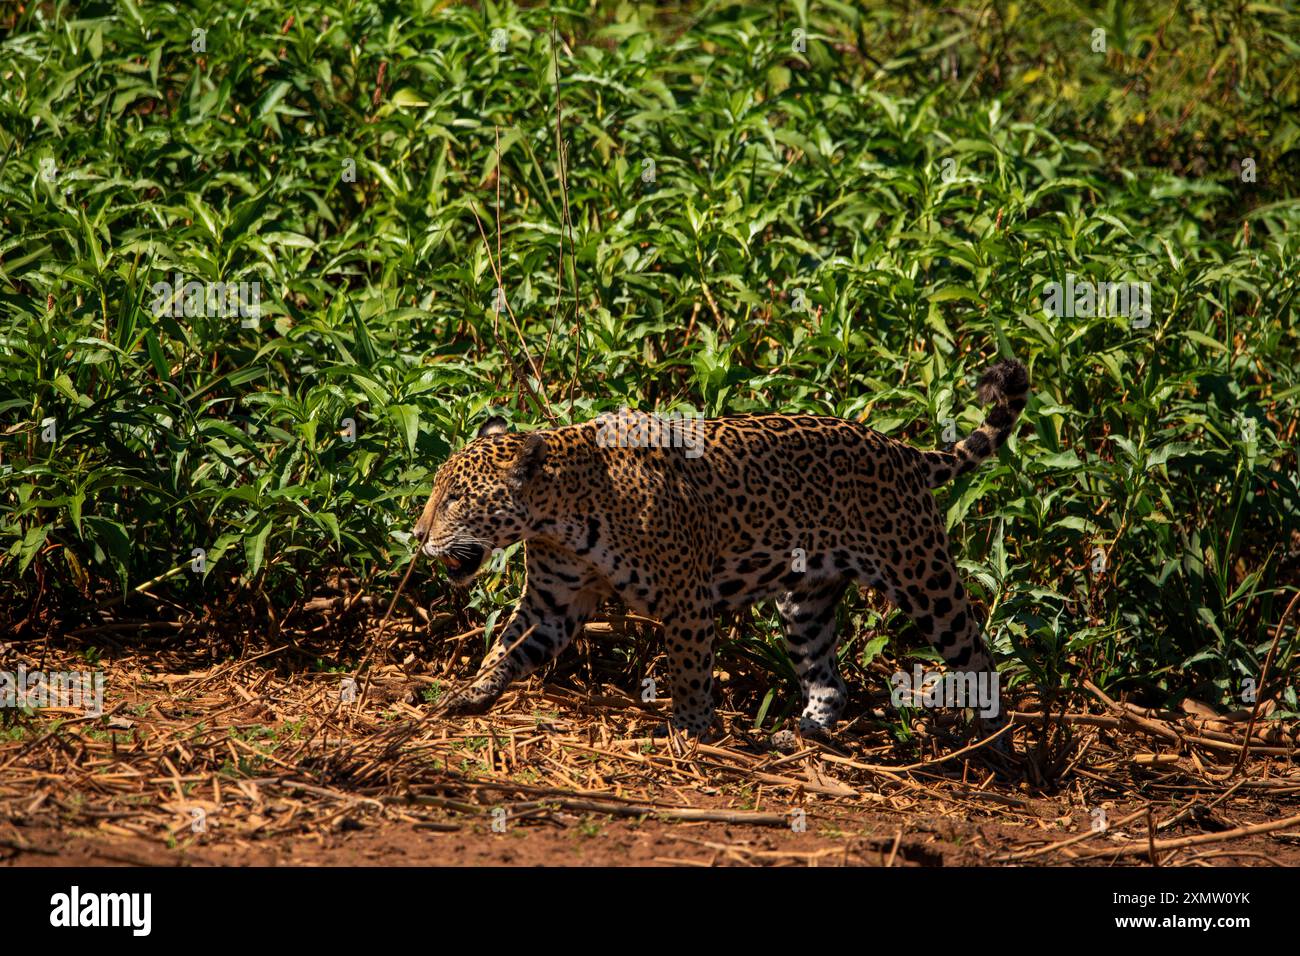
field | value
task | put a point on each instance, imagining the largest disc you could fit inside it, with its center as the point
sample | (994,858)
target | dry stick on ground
(1151,837)
(693,814)
(230,670)
(1166,732)
(455,651)
(893,850)
(1199,840)
(1193,806)
(1263,680)
(1235,854)
(384,621)
(1077,838)
(1150,726)
(541,793)
(744,854)
(873,768)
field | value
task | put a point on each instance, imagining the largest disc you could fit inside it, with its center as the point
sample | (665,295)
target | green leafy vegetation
(762,207)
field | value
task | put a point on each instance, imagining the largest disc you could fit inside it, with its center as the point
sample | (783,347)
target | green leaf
(32,543)
(255,548)
(1175,449)
(407,419)
(1204,339)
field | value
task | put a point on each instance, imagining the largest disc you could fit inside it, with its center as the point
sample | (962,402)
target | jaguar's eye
(451,500)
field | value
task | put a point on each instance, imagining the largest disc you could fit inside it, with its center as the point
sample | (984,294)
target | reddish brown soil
(287,774)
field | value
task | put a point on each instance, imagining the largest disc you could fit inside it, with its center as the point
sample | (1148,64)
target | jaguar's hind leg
(919,576)
(927,590)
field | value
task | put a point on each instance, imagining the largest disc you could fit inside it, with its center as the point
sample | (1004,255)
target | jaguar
(684,519)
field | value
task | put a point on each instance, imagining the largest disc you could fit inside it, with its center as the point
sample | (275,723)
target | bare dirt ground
(260,760)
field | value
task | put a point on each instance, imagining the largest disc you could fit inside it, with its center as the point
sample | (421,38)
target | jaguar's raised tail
(1005,386)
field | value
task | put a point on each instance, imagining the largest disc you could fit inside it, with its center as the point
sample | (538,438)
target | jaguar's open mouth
(463,560)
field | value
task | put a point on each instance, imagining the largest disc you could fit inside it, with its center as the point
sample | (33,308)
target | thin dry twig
(1263,680)
(563,169)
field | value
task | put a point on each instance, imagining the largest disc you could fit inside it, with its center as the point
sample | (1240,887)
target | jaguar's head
(480,499)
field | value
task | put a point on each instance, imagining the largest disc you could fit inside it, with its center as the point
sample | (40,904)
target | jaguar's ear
(531,458)
(496,425)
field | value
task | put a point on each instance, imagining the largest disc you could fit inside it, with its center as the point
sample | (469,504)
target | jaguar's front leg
(531,638)
(557,600)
